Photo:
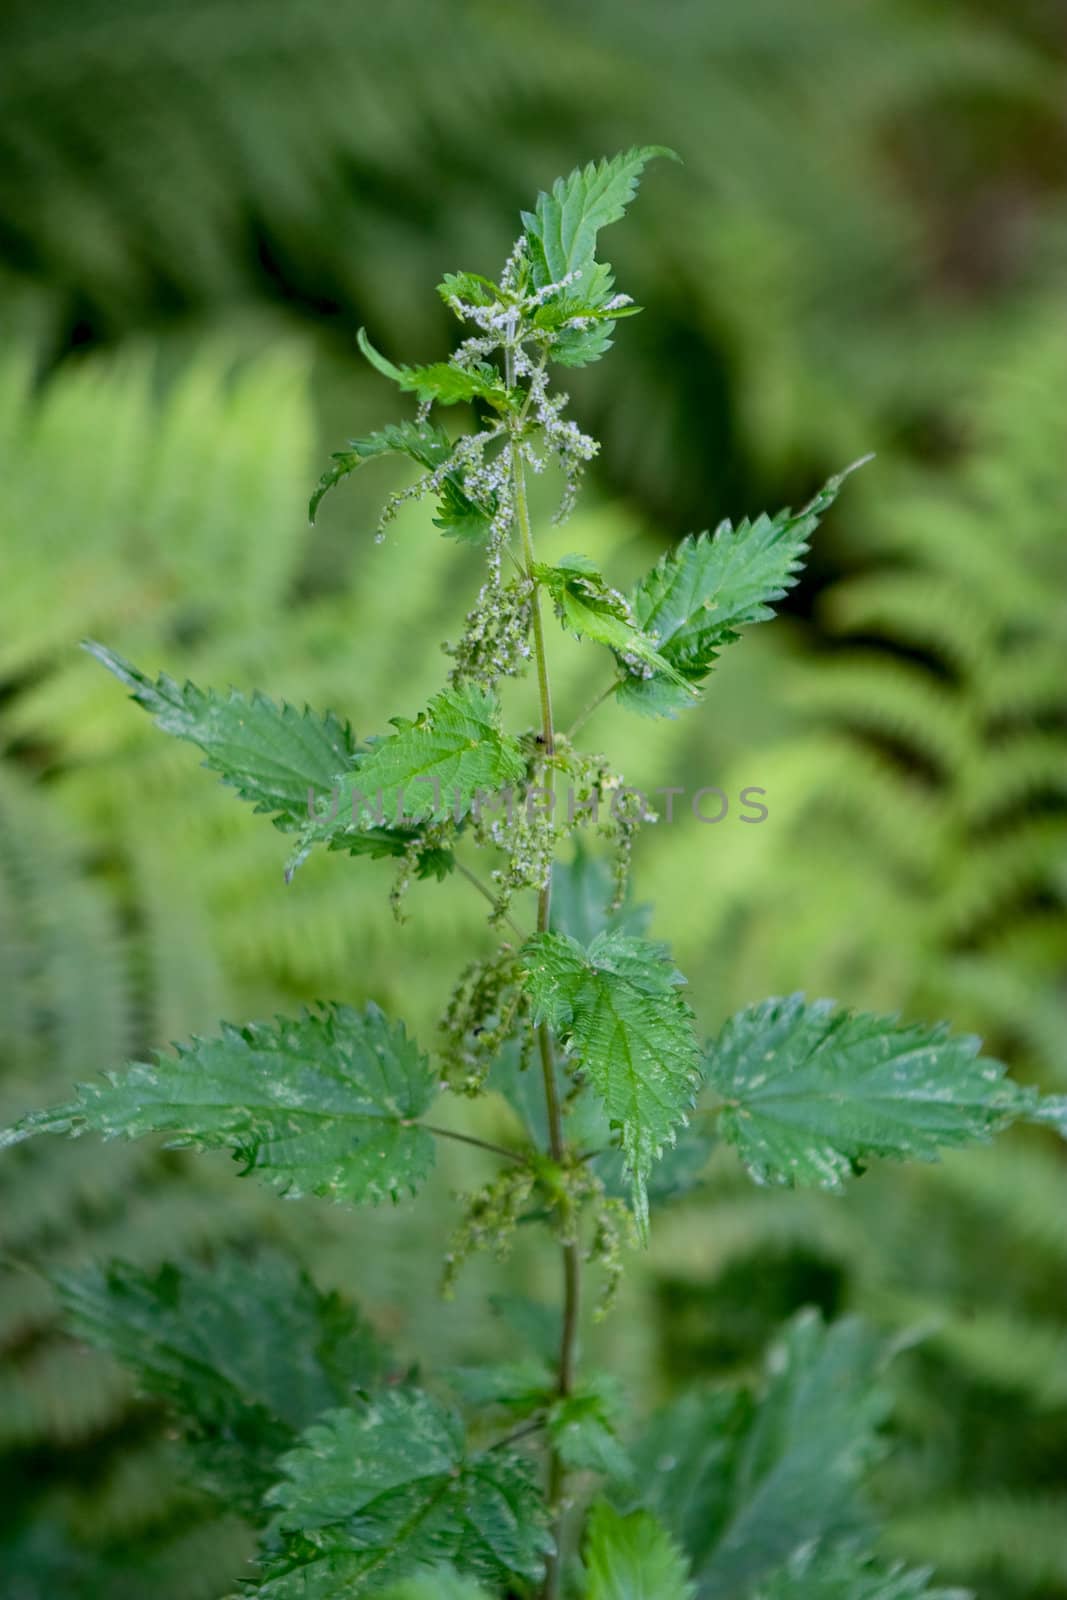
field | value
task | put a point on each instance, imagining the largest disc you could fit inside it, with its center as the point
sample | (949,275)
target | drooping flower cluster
(475,483)
(486,1009)
(491,1216)
(614,1227)
(428,854)
(562,438)
(509,326)
(572,789)
(496,638)
(485,483)
(582,1206)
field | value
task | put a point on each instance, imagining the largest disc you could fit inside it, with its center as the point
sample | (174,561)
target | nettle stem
(556,1142)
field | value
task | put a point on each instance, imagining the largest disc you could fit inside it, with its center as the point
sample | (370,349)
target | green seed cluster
(486,1008)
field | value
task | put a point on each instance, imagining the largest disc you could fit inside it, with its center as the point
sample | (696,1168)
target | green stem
(464,1138)
(594,705)
(557,1144)
(522,1432)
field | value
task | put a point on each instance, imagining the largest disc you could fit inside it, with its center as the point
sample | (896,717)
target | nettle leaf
(813,1092)
(382,844)
(448,385)
(248,1354)
(373,1494)
(322,1104)
(698,597)
(583,1428)
(517,1387)
(679,1170)
(745,1479)
(583,1425)
(562,308)
(380,363)
(442,381)
(458,516)
(421,442)
(430,447)
(616,1008)
(430,768)
(468,286)
(847,1574)
(589,607)
(284,761)
(273,755)
(632,1558)
(561,237)
(581,345)
(561,231)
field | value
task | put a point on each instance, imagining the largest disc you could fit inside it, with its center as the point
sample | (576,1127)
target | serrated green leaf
(813,1092)
(615,1007)
(746,1479)
(596,307)
(587,605)
(384,844)
(421,442)
(561,237)
(468,286)
(373,1494)
(562,229)
(449,385)
(847,1574)
(322,1104)
(697,598)
(633,1558)
(382,364)
(562,308)
(518,1387)
(441,381)
(247,1353)
(273,755)
(677,1172)
(282,760)
(431,768)
(458,517)
(583,1428)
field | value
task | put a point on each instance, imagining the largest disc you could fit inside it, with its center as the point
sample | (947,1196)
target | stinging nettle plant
(521,1479)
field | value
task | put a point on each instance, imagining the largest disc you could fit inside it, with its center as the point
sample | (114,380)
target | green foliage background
(865,248)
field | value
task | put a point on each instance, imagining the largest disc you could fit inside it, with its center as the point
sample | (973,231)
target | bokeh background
(865,249)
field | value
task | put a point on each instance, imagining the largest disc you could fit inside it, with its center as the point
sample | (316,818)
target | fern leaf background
(915,854)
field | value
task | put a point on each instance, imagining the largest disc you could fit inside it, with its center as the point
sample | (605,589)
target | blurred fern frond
(916,856)
(69,1000)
